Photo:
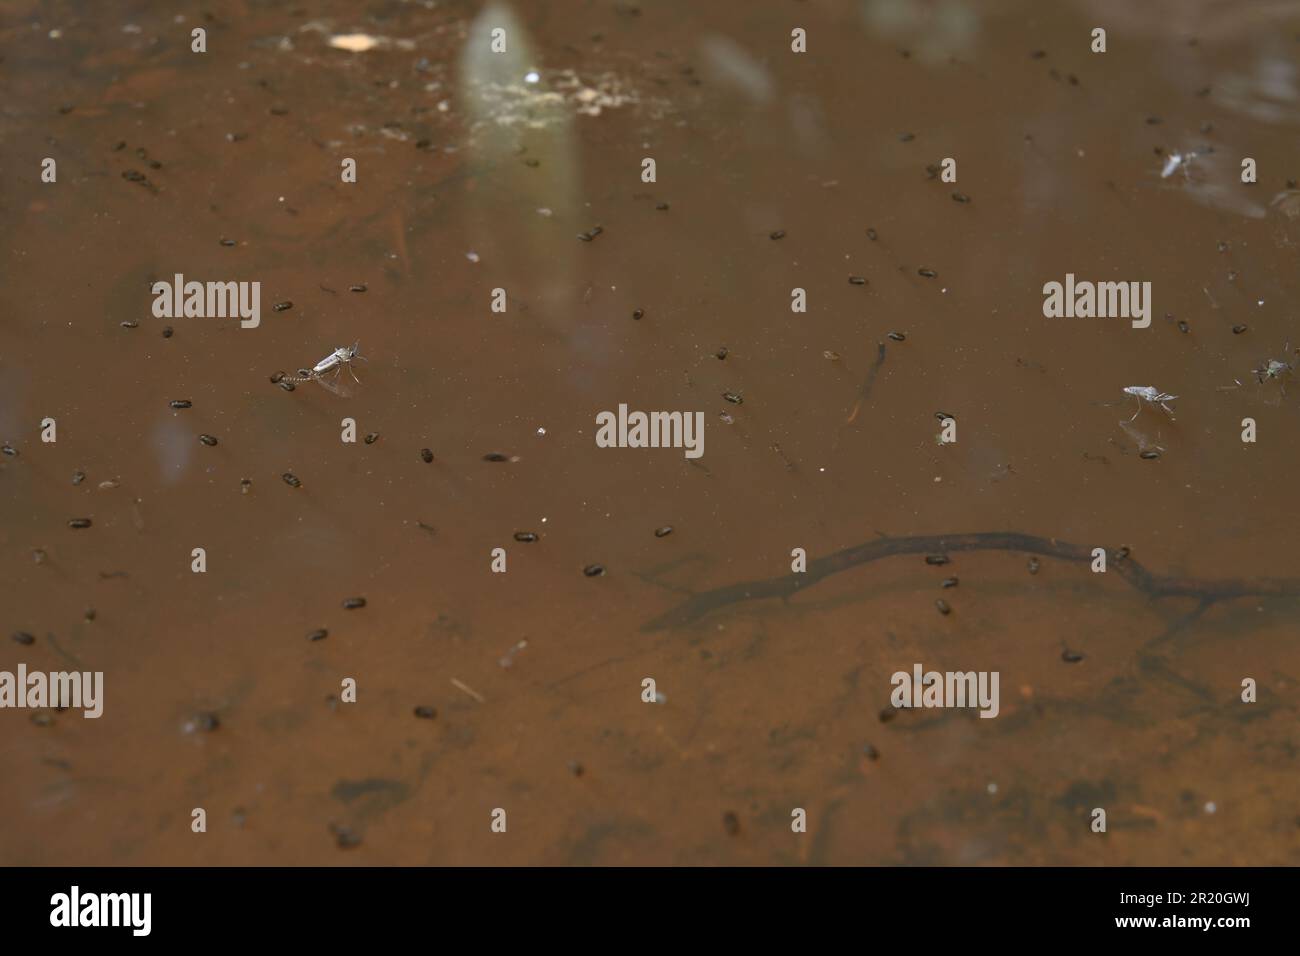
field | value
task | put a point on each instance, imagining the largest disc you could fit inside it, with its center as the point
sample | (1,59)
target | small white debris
(354,42)
(993,788)
(1211,807)
(532,76)
(472,256)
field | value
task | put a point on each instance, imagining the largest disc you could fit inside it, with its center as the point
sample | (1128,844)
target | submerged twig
(1133,573)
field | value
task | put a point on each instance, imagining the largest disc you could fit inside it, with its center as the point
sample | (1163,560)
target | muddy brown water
(471,178)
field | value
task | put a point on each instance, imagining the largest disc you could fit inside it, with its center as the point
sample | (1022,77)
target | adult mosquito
(336,362)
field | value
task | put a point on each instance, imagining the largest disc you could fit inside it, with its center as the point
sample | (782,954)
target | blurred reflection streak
(520,135)
(730,65)
(173,446)
(932,31)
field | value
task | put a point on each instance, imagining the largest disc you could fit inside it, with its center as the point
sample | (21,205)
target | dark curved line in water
(1153,585)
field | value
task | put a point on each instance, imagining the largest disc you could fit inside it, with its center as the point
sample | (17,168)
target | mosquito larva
(937,559)
(734,398)
(78,477)
(359,287)
(181,403)
(426,713)
(664,532)
(593,570)
(1071,657)
(284,306)
(78,522)
(638,313)
(426,455)
(372,438)
(208,440)
(22,637)
(926,273)
(352,603)
(897,336)
(525,536)
(857,280)
(318,635)
(948,583)
(778,234)
(291,480)
(495,456)
(942,606)
(1238,329)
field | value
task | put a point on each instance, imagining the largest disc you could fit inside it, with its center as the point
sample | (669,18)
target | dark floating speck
(857,280)
(284,306)
(207,440)
(90,614)
(245,484)
(345,839)
(495,456)
(78,477)
(721,353)
(1033,565)
(525,536)
(78,522)
(937,559)
(662,206)
(207,721)
(22,637)
(351,604)
(228,242)
(731,823)
(1149,454)
(1154,121)
(590,234)
(119,146)
(425,712)
(372,438)
(638,313)
(943,607)
(887,714)
(426,455)
(734,398)
(129,324)
(948,583)
(594,570)
(1222,246)
(778,234)
(906,137)
(9,450)
(870,752)
(168,332)
(926,273)
(1183,327)
(1071,657)
(1238,329)
(291,480)
(181,403)
(664,532)
(960,197)
(134,176)
(873,235)
(318,635)
(897,336)
(1037,54)
(575,768)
